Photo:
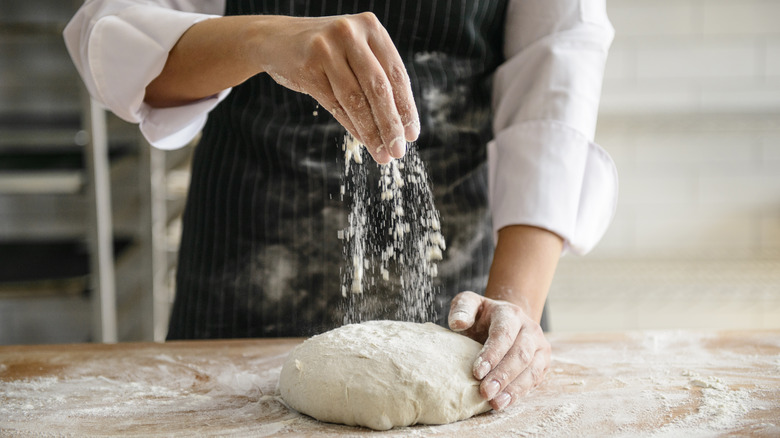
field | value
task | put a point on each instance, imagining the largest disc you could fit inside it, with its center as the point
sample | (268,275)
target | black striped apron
(260,253)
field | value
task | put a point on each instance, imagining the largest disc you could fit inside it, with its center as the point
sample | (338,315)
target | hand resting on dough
(515,355)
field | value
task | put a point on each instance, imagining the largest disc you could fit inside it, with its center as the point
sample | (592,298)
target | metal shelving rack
(72,173)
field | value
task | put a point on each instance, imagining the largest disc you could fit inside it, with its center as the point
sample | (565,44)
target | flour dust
(393,240)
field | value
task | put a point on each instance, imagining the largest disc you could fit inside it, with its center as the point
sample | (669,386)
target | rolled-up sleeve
(120,46)
(545,169)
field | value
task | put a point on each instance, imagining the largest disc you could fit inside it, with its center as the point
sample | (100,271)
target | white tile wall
(750,191)
(739,17)
(691,115)
(772,56)
(740,97)
(620,97)
(652,293)
(687,59)
(695,185)
(653,17)
(769,147)
(693,55)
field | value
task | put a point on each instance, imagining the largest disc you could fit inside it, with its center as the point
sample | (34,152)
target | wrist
(523,267)
(256,42)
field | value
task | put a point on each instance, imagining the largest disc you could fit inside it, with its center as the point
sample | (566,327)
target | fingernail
(502,400)
(458,317)
(492,389)
(482,368)
(412,130)
(382,156)
(397,147)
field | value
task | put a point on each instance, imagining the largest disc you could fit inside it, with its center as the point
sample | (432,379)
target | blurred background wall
(690,113)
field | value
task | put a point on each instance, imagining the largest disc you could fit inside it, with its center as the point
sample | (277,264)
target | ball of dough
(383,374)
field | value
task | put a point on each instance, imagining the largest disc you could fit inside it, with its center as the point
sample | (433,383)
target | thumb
(463,311)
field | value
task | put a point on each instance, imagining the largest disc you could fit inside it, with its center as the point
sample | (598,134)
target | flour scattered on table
(664,384)
(110,396)
(645,389)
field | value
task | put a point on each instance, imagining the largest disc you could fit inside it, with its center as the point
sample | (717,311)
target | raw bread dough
(383,374)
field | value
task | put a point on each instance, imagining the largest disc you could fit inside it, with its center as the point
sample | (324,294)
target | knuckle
(499,337)
(515,389)
(339,113)
(504,336)
(319,47)
(356,100)
(512,310)
(505,311)
(368,19)
(380,87)
(537,374)
(344,29)
(524,354)
(391,126)
(398,75)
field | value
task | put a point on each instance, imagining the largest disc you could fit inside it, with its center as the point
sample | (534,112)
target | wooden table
(670,383)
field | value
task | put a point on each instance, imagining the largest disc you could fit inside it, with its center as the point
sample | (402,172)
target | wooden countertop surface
(664,383)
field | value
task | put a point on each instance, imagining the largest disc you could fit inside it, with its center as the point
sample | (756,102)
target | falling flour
(393,240)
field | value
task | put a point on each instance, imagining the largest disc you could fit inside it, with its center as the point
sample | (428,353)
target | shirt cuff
(548,175)
(175,127)
(126,52)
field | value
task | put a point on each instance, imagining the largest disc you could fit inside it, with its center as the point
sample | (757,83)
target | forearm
(523,267)
(348,64)
(210,56)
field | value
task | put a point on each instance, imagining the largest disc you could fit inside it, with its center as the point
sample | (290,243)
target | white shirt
(544,168)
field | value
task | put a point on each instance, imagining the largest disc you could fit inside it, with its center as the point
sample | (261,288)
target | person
(499,96)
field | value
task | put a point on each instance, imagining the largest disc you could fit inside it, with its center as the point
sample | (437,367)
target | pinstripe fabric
(260,254)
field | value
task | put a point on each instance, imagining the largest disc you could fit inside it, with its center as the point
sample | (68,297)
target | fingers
(369,85)
(463,311)
(504,329)
(379,120)
(531,377)
(351,66)
(515,354)
(351,100)
(372,60)
(323,93)
(519,370)
(391,62)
